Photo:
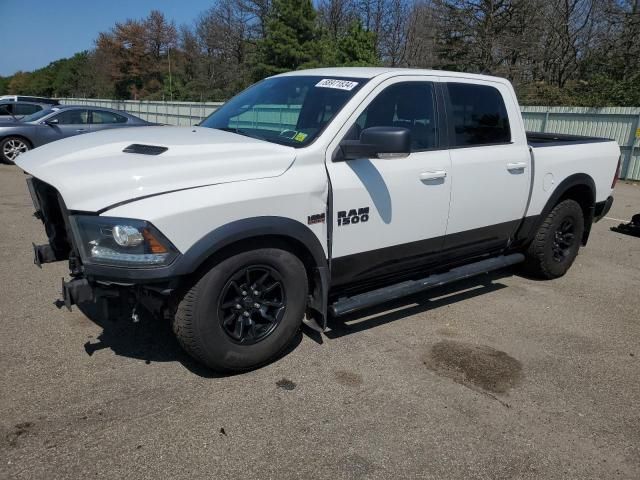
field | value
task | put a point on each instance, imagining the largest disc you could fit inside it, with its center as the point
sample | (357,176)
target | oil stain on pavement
(285,384)
(472,365)
(348,379)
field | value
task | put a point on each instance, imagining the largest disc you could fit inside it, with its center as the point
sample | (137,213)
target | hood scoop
(145,149)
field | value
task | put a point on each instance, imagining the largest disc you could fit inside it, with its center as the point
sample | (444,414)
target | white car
(310,194)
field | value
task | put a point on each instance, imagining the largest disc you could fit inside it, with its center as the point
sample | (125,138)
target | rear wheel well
(585,196)
(581,194)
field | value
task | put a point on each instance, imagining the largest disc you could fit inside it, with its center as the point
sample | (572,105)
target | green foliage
(291,38)
(357,48)
(236,42)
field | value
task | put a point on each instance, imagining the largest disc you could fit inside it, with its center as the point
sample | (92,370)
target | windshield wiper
(239,131)
(233,130)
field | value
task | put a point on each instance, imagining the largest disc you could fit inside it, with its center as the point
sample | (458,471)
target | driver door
(67,123)
(390,215)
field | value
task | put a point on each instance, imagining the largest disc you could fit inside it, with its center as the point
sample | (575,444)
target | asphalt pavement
(498,377)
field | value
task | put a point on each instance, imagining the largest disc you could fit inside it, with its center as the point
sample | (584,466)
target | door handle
(516,166)
(434,175)
(80,130)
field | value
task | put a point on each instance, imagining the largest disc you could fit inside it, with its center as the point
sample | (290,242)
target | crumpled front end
(63,245)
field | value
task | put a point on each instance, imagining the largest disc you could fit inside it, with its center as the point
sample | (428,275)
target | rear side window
(6,109)
(408,105)
(478,115)
(25,109)
(102,116)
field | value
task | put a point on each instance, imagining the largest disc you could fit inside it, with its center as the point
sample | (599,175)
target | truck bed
(538,140)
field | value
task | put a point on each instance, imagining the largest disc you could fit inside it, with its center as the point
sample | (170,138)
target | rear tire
(11,148)
(557,241)
(231,320)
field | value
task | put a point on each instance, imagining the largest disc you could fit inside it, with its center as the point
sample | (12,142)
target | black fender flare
(530,227)
(254,227)
(248,228)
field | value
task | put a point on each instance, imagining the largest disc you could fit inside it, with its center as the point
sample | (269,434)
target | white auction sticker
(339,84)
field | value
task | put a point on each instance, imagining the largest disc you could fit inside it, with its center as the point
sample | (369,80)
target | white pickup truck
(314,194)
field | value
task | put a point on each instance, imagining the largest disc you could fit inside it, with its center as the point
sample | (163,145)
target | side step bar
(351,304)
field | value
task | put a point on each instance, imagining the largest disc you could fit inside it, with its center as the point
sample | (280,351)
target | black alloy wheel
(563,239)
(252,304)
(244,310)
(557,241)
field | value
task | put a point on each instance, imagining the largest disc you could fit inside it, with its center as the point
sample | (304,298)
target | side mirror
(53,121)
(377,142)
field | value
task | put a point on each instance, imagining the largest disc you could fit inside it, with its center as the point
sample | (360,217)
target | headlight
(121,242)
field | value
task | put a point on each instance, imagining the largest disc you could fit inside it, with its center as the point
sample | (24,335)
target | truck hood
(92,172)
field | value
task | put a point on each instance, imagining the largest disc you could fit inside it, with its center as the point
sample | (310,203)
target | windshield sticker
(300,136)
(339,84)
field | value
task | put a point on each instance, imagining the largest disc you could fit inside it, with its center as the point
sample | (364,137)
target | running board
(351,304)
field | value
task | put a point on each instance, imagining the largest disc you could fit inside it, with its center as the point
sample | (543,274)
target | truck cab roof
(371,72)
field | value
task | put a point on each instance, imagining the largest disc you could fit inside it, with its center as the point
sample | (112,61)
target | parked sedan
(61,121)
(23,98)
(10,110)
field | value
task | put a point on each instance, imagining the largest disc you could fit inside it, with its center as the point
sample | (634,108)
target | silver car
(20,135)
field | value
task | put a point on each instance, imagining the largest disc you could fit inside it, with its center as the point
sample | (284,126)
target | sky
(37,32)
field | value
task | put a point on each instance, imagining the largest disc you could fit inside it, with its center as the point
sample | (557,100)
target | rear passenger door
(490,166)
(390,215)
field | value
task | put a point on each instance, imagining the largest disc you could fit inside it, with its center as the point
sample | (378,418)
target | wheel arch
(260,232)
(579,187)
(17,135)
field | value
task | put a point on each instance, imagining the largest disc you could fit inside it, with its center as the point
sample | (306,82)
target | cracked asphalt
(498,377)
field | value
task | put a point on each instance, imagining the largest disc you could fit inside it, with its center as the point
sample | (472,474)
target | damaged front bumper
(123,287)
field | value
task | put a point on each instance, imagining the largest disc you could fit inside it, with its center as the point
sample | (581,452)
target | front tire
(557,241)
(244,311)
(11,148)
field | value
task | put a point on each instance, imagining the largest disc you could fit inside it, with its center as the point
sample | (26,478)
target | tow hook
(77,290)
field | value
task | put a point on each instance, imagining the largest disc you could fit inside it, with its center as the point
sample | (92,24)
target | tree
(556,52)
(356,47)
(20,83)
(291,40)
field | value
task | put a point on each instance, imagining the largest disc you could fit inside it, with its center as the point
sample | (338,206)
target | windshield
(38,115)
(291,110)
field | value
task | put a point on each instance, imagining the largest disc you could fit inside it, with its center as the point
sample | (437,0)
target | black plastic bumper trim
(602,208)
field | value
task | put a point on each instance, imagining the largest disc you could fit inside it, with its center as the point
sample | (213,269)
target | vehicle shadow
(149,339)
(414,304)
(152,340)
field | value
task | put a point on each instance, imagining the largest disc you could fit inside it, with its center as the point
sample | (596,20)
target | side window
(410,105)
(25,109)
(478,114)
(6,109)
(72,117)
(102,116)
